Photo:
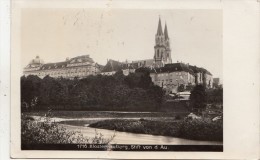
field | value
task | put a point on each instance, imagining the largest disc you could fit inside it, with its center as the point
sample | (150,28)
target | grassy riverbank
(154,123)
(45,131)
(203,129)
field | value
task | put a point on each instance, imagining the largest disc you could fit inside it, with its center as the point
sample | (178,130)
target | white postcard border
(240,27)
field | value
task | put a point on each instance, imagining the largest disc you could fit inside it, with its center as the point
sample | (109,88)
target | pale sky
(54,34)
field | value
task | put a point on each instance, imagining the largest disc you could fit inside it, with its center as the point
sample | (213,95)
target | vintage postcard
(117,80)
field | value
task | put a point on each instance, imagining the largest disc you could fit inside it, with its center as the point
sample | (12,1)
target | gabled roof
(99,66)
(58,65)
(112,65)
(145,62)
(199,69)
(53,65)
(173,67)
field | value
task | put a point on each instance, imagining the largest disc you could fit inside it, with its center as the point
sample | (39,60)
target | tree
(181,88)
(119,76)
(156,93)
(215,96)
(198,98)
(133,92)
(132,80)
(145,81)
(51,91)
(189,87)
(29,92)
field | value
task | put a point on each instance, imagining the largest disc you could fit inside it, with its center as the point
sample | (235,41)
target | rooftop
(75,60)
(177,67)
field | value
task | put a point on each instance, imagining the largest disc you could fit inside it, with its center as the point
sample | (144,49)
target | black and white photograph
(123,80)
(119,80)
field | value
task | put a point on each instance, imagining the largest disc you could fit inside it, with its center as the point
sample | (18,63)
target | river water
(123,137)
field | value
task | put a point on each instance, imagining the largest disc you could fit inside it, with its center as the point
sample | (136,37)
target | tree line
(118,92)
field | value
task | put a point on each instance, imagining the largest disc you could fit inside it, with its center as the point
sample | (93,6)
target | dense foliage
(215,96)
(45,131)
(202,129)
(198,98)
(118,92)
(196,129)
(140,126)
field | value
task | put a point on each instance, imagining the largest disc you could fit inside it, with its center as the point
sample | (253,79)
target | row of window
(62,73)
(31,69)
(63,66)
(65,72)
(168,80)
(79,64)
(171,74)
(171,80)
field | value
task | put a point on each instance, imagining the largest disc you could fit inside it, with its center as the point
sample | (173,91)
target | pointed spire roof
(166,31)
(159,30)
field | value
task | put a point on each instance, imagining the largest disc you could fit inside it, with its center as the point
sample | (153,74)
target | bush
(197,129)
(44,131)
(215,96)
(202,129)
(178,117)
(140,126)
(198,98)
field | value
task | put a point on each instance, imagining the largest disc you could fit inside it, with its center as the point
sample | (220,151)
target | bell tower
(162,51)
(168,58)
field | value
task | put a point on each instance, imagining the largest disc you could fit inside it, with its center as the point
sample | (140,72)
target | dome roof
(36,61)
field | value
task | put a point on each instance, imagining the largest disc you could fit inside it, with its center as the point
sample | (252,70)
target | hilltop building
(113,66)
(80,66)
(171,76)
(163,72)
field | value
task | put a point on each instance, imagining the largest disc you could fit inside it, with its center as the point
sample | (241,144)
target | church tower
(168,58)
(162,50)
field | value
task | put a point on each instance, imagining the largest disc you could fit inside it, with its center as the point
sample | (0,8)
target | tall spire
(159,30)
(166,32)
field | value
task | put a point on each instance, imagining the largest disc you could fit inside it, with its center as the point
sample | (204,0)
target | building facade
(202,76)
(81,66)
(171,76)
